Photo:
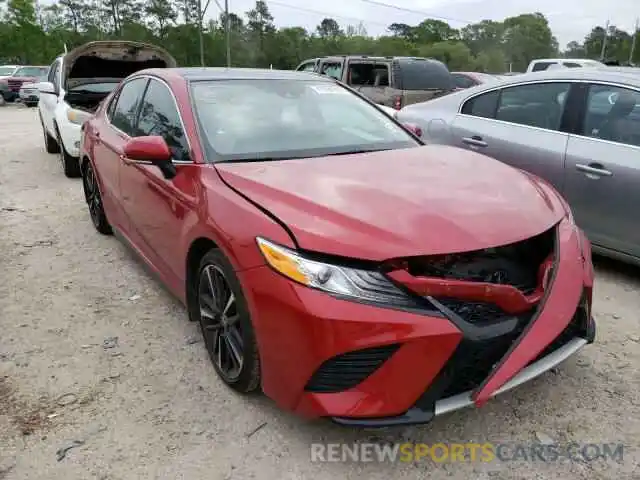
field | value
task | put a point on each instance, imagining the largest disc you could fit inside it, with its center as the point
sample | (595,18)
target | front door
(158,207)
(603,169)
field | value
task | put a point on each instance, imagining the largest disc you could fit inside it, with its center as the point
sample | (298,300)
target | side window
(571,65)
(332,69)
(484,106)
(53,74)
(462,81)
(368,74)
(112,106)
(613,113)
(307,67)
(127,104)
(541,66)
(536,105)
(159,116)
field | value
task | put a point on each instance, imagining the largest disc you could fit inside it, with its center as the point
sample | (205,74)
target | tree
(329,28)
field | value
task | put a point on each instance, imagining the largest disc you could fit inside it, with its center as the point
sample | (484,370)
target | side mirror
(151,150)
(47,87)
(413,128)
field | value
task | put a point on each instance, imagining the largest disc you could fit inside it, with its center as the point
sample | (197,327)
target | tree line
(34,34)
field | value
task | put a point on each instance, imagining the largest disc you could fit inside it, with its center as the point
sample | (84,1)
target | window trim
(175,103)
(529,82)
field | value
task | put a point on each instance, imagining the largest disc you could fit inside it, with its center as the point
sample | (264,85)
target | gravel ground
(94,351)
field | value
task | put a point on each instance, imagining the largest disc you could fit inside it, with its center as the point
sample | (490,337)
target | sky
(569,19)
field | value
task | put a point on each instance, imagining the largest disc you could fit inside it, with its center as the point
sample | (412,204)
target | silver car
(577,128)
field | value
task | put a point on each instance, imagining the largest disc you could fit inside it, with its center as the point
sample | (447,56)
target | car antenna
(65,48)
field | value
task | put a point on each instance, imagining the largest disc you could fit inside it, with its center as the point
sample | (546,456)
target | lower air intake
(349,369)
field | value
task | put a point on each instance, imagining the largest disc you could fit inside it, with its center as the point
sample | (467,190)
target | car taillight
(397,102)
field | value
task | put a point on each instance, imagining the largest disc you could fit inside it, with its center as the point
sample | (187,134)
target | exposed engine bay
(93,70)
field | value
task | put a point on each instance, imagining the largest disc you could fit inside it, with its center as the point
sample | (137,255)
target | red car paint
(382,207)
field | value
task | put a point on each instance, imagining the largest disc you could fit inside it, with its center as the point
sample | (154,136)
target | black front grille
(516,264)
(474,312)
(14,85)
(349,369)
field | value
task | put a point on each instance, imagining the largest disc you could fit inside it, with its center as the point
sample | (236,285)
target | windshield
(6,71)
(281,119)
(103,87)
(30,72)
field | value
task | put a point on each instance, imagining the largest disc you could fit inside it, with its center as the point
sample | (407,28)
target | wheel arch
(198,249)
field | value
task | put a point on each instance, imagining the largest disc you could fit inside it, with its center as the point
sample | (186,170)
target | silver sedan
(579,129)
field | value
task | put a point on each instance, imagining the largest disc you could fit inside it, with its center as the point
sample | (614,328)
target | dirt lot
(95,355)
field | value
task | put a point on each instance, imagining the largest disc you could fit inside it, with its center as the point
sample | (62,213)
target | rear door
(603,168)
(372,78)
(109,146)
(518,125)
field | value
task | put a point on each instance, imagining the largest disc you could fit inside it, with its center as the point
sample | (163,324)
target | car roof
(602,74)
(222,73)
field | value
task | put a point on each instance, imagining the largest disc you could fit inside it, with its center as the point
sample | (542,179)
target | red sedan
(330,257)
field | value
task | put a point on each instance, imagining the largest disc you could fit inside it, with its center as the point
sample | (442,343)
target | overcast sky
(569,19)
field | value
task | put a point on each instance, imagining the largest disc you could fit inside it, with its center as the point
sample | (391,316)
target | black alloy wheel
(94,201)
(222,312)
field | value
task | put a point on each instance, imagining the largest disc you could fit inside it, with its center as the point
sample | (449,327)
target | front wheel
(226,323)
(70,164)
(50,143)
(94,201)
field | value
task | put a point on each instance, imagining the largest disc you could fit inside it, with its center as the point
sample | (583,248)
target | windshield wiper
(354,152)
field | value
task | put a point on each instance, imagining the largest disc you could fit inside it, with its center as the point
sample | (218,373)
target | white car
(388,110)
(78,81)
(542,64)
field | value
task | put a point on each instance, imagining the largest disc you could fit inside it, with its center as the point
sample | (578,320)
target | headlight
(77,116)
(366,285)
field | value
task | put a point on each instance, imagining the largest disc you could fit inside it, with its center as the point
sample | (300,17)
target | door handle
(596,169)
(475,141)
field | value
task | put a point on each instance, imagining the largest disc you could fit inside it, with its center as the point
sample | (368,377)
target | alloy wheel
(92,195)
(220,322)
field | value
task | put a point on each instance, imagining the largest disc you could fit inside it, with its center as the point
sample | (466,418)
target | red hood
(16,82)
(419,201)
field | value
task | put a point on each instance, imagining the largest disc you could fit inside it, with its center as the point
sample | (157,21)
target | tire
(70,165)
(246,378)
(94,201)
(50,143)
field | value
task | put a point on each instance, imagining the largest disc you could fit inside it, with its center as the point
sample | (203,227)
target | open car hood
(114,59)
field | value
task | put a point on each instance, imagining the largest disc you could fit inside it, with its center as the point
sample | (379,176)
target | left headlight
(77,116)
(358,284)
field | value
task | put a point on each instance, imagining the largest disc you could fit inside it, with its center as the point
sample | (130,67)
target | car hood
(419,201)
(112,59)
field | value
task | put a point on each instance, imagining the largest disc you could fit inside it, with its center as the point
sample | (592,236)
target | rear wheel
(70,165)
(226,323)
(94,201)
(50,143)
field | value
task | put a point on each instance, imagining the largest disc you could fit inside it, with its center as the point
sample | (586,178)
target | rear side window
(571,65)
(484,106)
(538,105)
(332,69)
(423,74)
(307,67)
(462,81)
(539,66)
(127,105)
(363,74)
